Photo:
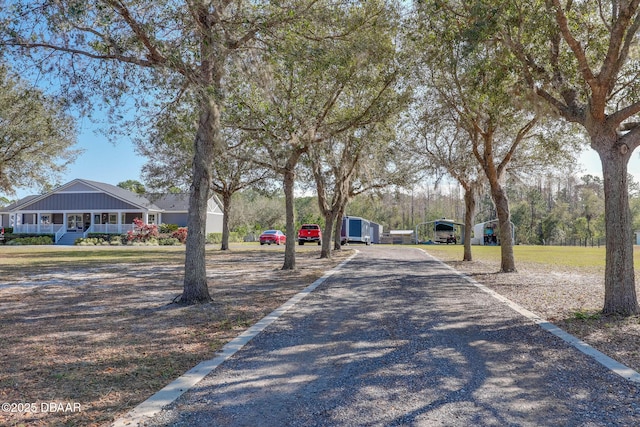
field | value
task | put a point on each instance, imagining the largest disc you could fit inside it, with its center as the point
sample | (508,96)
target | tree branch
(155,56)
(623,114)
(575,46)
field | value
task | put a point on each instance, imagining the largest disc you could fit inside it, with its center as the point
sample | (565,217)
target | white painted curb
(175,389)
(609,363)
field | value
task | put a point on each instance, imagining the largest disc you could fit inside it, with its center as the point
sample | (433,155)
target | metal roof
(170,202)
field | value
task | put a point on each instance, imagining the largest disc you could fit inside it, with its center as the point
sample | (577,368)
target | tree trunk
(226,210)
(619,282)
(469,214)
(290,245)
(327,234)
(507,260)
(337,231)
(325,250)
(195,289)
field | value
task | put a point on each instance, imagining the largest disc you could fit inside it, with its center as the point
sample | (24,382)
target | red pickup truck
(309,233)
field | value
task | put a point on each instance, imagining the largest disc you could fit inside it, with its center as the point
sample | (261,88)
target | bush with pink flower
(142,233)
(180,234)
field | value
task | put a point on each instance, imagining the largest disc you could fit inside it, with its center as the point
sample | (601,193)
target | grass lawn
(48,256)
(94,327)
(590,258)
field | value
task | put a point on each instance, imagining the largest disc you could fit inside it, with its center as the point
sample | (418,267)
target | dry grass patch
(98,329)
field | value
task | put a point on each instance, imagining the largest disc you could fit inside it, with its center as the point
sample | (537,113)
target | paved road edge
(179,386)
(609,363)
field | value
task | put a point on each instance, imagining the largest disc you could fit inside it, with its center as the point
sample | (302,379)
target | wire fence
(576,241)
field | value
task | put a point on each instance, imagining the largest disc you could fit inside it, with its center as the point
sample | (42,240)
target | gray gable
(123,194)
(79,187)
(81,194)
(78,201)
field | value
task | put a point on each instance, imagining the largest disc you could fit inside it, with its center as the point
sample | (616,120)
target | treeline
(557,209)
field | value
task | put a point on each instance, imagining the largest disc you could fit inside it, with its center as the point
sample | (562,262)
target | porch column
(145,217)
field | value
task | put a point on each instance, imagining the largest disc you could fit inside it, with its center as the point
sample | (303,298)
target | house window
(45,219)
(113,218)
(152,218)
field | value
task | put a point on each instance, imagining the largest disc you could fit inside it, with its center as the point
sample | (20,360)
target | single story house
(81,207)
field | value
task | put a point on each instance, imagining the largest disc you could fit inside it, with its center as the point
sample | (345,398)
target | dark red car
(272,236)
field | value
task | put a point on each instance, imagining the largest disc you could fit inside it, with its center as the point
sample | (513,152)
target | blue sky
(590,162)
(101,161)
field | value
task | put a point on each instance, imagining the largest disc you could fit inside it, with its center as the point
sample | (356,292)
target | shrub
(99,239)
(216,238)
(36,240)
(98,235)
(149,242)
(180,234)
(168,228)
(169,241)
(143,232)
(88,241)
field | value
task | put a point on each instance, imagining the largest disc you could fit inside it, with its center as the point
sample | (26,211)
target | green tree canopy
(36,136)
(133,185)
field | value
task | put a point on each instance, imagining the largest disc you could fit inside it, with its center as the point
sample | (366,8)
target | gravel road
(396,338)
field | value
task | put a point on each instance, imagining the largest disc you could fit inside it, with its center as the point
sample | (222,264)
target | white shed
(487,233)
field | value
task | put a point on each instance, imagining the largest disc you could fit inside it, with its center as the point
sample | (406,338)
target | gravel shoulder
(571,299)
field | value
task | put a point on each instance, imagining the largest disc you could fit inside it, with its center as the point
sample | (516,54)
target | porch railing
(59,229)
(110,228)
(37,228)
(59,233)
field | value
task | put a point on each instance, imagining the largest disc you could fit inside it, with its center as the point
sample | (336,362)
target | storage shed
(488,233)
(376,232)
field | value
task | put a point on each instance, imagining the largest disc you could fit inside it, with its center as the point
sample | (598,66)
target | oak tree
(326,75)
(36,136)
(149,55)
(580,58)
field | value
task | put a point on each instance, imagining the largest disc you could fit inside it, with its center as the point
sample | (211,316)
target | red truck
(309,233)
